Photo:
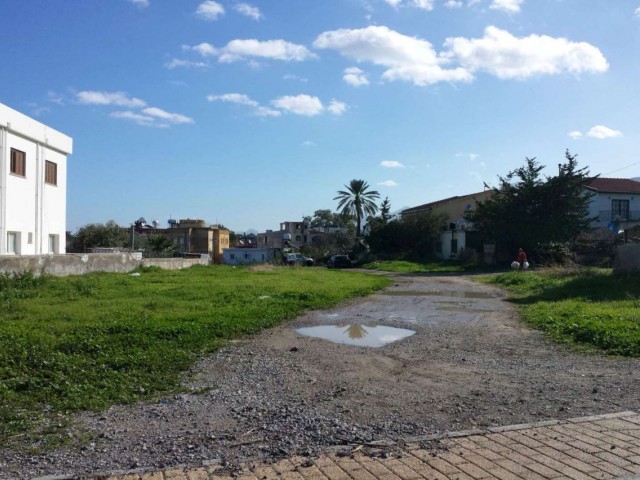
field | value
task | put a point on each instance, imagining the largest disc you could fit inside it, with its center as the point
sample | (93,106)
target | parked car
(298,259)
(339,261)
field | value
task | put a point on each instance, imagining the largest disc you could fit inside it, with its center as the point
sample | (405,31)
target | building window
(620,209)
(18,162)
(53,243)
(50,173)
(232,256)
(13,243)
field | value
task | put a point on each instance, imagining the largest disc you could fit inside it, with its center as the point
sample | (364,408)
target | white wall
(243,256)
(28,206)
(601,202)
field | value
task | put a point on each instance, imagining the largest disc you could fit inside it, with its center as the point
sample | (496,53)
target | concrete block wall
(78,264)
(627,259)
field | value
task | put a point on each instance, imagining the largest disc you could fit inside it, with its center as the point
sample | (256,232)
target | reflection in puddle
(359,335)
(438,293)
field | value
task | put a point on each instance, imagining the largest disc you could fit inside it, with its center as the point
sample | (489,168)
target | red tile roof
(614,185)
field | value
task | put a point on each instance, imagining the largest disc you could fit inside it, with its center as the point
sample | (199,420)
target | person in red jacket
(522,258)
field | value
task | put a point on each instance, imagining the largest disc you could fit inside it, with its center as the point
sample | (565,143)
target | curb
(382,443)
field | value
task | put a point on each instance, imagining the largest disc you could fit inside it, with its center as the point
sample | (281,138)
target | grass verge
(590,307)
(406,266)
(88,342)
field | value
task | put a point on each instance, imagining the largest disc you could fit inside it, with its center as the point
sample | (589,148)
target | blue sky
(252,113)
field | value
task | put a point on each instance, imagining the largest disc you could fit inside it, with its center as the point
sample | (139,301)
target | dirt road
(471,363)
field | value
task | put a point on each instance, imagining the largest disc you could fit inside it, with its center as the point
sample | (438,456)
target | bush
(554,253)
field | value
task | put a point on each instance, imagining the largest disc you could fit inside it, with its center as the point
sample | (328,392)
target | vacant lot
(88,342)
(471,363)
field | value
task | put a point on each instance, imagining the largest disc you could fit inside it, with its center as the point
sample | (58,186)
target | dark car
(339,261)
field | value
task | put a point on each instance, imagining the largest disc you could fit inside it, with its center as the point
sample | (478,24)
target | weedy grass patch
(584,306)
(407,266)
(88,342)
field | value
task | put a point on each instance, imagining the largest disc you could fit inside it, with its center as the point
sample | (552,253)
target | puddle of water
(438,293)
(358,335)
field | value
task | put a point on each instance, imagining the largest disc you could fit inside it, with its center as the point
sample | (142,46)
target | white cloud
(272,49)
(91,97)
(391,164)
(337,108)
(237,98)
(356,77)
(242,99)
(309,143)
(637,12)
(176,63)
(299,104)
(147,116)
(140,3)
(601,132)
(422,4)
(453,3)
(575,134)
(305,105)
(388,183)
(204,49)
(406,58)
(174,118)
(248,11)
(289,76)
(509,6)
(507,56)
(470,156)
(56,98)
(209,10)
(144,120)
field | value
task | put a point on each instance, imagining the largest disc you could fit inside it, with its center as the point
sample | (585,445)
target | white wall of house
(245,256)
(32,211)
(459,237)
(602,206)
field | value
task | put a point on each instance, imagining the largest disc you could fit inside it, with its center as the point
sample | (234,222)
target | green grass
(406,266)
(589,307)
(88,342)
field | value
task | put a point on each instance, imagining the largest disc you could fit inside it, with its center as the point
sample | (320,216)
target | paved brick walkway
(600,447)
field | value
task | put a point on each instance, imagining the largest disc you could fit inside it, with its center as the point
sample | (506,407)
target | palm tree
(357,200)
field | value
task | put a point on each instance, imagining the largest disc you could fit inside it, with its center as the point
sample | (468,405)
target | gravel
(471,364)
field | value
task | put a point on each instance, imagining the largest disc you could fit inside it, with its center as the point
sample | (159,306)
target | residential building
(457,234)
(291,234)
(245,256)
(33,185)
(194,237)
(615,202)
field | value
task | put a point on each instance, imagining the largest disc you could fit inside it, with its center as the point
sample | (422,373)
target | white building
(247,256)
(33,185)
(614,200)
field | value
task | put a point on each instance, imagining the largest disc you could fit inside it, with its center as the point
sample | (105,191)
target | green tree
(357,200)
(527,210)
(158,245)
(385,210)
(327,218)
(109,234)
(412,236)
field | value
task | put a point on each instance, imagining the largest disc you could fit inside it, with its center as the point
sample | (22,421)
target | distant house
(194,237)
(291,234)
(247,256)
(33,185)
(615,204)
(457,234)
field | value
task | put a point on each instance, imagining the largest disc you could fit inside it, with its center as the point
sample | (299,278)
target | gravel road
(471,363)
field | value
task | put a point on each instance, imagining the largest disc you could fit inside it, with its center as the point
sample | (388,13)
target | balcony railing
(608,215)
